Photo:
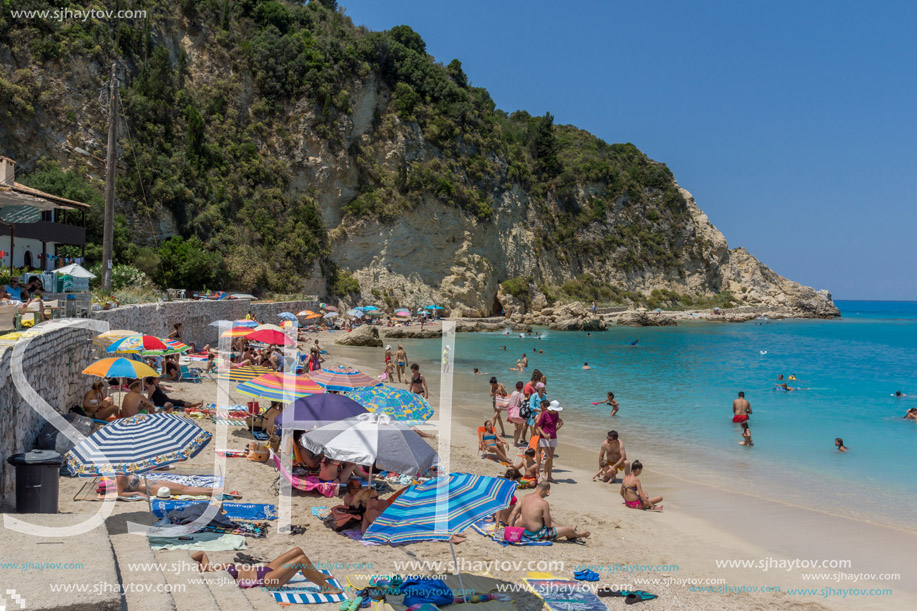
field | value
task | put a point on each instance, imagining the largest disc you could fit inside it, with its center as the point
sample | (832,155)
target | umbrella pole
(149,501)
(457,571)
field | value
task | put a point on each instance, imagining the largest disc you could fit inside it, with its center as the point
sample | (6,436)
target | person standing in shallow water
(741,409)
(418,383)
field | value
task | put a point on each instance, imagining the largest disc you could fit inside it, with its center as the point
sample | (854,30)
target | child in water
(746,436)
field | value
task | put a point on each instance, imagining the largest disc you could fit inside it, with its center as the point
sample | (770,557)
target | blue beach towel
(495,533)
(234,511)
(300,590)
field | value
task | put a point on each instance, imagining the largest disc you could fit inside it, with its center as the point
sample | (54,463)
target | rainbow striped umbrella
(399,403)
(173,346)
(243,374)
(137,343)
(237,332)
(283,387)
(343,379)
(440,508)
(120,367)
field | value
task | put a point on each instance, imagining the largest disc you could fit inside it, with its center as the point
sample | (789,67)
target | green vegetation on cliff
(215,143)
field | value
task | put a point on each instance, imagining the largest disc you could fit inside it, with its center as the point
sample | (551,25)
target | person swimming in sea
(635,342)
(911,414)
(586,366)
(839,444)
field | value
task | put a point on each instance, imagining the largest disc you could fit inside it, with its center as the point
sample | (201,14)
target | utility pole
(110,160)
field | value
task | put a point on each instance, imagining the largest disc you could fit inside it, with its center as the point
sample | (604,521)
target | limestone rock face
(588,323)
(365,335)
(411,332)
(644,319)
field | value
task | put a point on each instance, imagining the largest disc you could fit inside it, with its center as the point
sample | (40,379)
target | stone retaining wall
(54,362)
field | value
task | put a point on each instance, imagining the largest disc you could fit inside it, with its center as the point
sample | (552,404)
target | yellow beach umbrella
(110,337)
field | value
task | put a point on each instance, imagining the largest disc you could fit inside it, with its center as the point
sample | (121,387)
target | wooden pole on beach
(110,162)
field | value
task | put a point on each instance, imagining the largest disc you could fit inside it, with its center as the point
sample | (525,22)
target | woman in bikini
(134,485)
(491,444)
(96,404)
(418,382)
(500,403)
(401,362)
(176,332)
(330,470)
(632,490)
(273,575)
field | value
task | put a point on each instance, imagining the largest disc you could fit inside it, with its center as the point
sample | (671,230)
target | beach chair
(186,373)
(8,318)
(489,455)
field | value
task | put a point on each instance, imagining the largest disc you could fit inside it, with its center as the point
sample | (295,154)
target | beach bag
(432,591)
(512,534)
(253,407)
(258,452)
(525,411)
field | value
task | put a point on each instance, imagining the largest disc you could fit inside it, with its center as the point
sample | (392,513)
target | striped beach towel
(301,591)
(229,421)
(494,532)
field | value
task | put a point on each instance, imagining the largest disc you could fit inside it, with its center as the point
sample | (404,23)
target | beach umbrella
(343,379)
(76,270)
(137,444)
(309,314)
(319,410)
(289,324)
(219,323)
(173,346)
(273,337)
(440,508)
(402,312)
(355,313)
(369,308)
(398,403)
(245,323)
(284,387)
(110,337)
(243,374)
(329,308)
(120,367)
(369,439)
(330,315)
(268,327)
(287,315)
(137,343)
(237,332)
(434,307)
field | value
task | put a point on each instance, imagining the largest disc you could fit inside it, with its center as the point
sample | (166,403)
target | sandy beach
(672,554)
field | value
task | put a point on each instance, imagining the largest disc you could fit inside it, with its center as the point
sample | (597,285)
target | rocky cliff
(310,155)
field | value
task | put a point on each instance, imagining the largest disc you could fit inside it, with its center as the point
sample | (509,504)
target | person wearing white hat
(546,427)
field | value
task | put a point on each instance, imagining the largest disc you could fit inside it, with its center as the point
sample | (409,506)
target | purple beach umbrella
(317,410)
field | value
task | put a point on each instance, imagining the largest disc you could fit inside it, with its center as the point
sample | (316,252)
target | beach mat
(234,511)
(494,532)
(301,591)
(204,541)
(229,421)
(565,594)
(479,583)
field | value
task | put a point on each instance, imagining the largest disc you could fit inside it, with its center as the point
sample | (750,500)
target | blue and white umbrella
(440,508)
(287,315)
(369,308)
(356,313)
(137,444)
(330,315)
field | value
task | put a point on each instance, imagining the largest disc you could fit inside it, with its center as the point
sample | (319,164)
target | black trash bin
(37,474)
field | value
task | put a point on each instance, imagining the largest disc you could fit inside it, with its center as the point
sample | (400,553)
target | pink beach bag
(512,534)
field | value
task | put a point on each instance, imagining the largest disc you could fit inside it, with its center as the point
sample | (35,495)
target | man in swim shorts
(741,408)
(535,514)
(612,458)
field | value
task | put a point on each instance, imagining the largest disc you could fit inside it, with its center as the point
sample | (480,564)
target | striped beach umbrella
(343,379)
(284,387)
(287,315)
(244,374)
(110,337)
(369,439)
(402,312)
(441,507)
(136,445)
(120,367)
(137,343)
(329,308)
(398,403)
(356,313)
(237,332)
(245,323)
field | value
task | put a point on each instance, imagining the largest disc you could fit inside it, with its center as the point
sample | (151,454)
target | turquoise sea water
(676,390)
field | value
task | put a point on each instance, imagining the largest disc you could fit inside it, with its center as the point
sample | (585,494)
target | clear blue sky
(793,124)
